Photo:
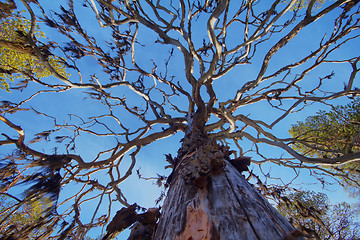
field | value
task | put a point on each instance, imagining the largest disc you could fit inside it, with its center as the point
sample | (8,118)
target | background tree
(332,134)
(312,213)
(216,77)
(18,60)
(23,218)
(305,3)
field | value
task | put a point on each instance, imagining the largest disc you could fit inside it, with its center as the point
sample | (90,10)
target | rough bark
(225,207)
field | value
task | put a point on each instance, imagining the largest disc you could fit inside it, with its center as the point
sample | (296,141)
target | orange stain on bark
(197,226)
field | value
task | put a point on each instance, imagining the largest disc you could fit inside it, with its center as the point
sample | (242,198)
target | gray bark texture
(227,206)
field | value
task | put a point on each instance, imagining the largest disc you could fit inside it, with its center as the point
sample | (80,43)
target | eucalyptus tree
(313,213)
(223,76)
(17,57)
(332,133)
(26,214)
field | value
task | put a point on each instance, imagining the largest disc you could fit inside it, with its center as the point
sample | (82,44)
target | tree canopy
(312,213)
(15,217)
(18,60)
(333,133)
(120,90)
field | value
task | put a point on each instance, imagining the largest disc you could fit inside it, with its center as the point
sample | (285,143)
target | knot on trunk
(241,163)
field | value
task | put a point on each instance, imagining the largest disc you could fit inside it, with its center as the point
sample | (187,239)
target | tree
(18,60)
(305,3)
(204,72)
(331,134)
(312,213)
(22,216)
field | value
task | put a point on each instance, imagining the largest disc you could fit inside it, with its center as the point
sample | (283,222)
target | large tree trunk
(220,204)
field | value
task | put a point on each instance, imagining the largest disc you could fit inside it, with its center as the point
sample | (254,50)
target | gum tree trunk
(217,204)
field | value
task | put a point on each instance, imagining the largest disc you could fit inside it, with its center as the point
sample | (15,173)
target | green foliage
(17,61)
(301,4)
(332,134)
(313,214)
(22,214)
(305,3)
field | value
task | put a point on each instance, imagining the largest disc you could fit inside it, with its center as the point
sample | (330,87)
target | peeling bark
(227,207)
